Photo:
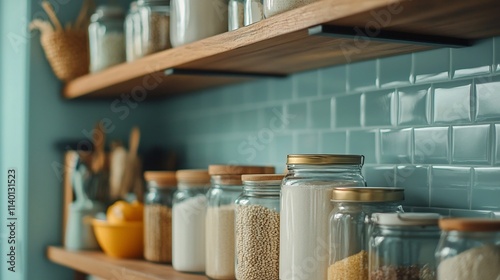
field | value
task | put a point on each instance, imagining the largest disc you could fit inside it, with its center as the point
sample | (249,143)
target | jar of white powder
(188,221)
(236,14)
(258,227)
(106,38)
(254,11)
(402,246)
(274,7)
(193,20)
(155,26)
(220,242)
(305,209)
(469,249)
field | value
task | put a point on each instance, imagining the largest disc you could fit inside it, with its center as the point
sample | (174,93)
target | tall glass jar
(226,187)
(193,20)
(158,215)
(350,227)
(402,246)
(155,26)
(236,14)
(258,227)
(132,33)
(254,11)
(469,249)
(305,209)
(106,38)
(188,221)
(274,7)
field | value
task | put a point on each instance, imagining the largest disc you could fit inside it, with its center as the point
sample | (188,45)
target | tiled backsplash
(428,122)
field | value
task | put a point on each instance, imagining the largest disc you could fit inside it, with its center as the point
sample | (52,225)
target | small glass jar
(402,246)
(305,211)
(158,215)
(155,26)
(236,14)
(258,227)
(469,249)
(188,221)
(274,7)
(254,11)
(106,38)
(226,188)
(193,20)
(350,227)
(132,33)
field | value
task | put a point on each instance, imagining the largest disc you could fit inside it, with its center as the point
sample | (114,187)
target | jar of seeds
(220,243)
(158,216)
(254,11)
(106,38)
(132,33)
(155,26)
(258,227)
(236,14)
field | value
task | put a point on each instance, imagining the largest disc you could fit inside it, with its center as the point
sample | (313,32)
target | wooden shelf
(283,44)
(98,264)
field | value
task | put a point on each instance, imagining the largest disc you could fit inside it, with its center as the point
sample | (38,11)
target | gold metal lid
(325,159)
(470,224)
(239,169)
(193,176)
(161,178)
(262,177)
(367,194)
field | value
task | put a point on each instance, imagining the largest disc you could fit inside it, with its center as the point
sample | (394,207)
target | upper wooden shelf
(289,43)
(98,264)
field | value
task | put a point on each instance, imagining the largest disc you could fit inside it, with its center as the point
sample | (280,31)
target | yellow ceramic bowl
(123,240)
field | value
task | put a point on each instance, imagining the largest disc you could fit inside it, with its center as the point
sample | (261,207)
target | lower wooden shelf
(98,264)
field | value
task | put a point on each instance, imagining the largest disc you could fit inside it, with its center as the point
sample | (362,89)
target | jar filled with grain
(274,7)
(402,246)
(133,33)
(254,11)
(305,211)
(258,227)
(469,249)
(188,221)
(350,227)
(155,26)
(220,242)
(236,14)
(106,38)
(158,215)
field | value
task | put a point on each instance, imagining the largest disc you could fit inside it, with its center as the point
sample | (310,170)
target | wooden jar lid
(325,159)
(239,169)
(469,224)
(161,178)
(193,176)
(262,177)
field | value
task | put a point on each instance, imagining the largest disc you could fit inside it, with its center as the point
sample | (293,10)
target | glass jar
(132,33)
(226,187)
(258,227)
(188,221)
(402,246)
(106,38)
(274,7)
(236,14)
(254,11)
(305,210)
(469,249)
(158,215)
(155,26)
(193,20)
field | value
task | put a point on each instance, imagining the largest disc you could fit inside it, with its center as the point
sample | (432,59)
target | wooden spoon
(98,156)
(130,165)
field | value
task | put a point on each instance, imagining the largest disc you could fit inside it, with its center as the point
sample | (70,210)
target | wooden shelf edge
(98,264)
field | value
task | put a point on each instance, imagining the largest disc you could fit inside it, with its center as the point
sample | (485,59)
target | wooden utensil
(118,161)
(130,167)
(98,156)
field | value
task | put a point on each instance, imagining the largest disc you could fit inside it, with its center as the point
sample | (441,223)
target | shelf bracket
(389,36)
(216,73)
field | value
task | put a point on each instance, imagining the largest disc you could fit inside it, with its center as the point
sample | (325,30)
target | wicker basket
(67,52)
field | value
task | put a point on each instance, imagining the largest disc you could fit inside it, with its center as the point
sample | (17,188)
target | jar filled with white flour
(274,7)
(220,241)
(469,249)
(305,208)
(188,220)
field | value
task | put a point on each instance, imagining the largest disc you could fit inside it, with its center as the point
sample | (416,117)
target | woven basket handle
(52,15)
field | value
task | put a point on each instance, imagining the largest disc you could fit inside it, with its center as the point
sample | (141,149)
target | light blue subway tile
(441,211)
(214,153)
(414,105)
(347,110)
(431,145)
(487,177)
(273,118)
(471,144)
(334,142)
(306,83)
(395,71)
(246,121)
(379,175)
(362,75)
(378,108)
(281,89)
(452,102)
(256,91)
(475,60)
(298,113)
(363,143)
(449,198)
(320,113)
(488,99)
(307,143)
(333,80)
(471,213)
(281,146)
(431,66)
(486,188)
(396,146)
(231,95)
(415,180)
(450,177)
